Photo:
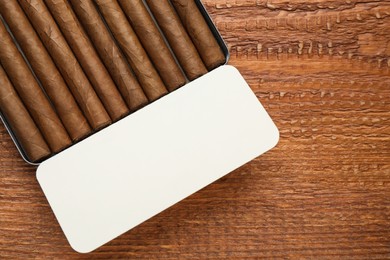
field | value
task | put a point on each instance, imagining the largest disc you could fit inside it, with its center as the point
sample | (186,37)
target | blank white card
(152,159)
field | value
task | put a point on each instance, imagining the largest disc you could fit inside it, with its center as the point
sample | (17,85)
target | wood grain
(321,69)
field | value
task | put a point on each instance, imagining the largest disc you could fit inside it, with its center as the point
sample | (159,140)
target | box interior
(214,30)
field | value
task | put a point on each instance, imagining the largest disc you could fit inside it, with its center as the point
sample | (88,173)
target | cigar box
(141,165)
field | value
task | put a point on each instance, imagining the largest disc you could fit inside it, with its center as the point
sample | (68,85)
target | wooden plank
(321,68)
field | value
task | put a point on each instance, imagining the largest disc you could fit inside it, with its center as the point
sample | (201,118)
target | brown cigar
(178,38)
(153,43)
(20,121)
(66,62)
(200,33)
(131,46)
(45,70)
(110,54)
(31,93)
(88,58)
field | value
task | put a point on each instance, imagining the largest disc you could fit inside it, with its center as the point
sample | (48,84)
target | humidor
(126,173)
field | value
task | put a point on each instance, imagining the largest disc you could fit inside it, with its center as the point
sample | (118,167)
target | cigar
(200,33)
(20,122)
(110,54)
(31,93)
(154,43)
(88,58)
(66,62)
(178,38)
(45,70)
(128,41)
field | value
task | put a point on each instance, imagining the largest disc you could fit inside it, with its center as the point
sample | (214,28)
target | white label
(152,159)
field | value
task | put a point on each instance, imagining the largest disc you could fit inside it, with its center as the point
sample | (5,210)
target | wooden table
(321,69)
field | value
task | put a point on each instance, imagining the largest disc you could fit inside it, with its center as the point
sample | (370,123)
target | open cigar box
(137,167)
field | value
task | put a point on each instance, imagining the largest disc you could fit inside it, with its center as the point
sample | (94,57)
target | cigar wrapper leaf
(150,37)
(128,41)
(31,93)
(20,122)
(66,62)
(110,54)
(88,58)
(178,38)
(45,70)
(200,33)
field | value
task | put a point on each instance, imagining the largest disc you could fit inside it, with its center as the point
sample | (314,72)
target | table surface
(322,70)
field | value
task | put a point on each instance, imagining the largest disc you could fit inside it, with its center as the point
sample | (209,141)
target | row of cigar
(70,68)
